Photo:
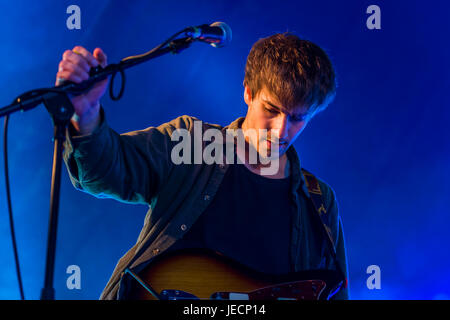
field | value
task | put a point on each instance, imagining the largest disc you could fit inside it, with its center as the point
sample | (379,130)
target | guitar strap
(323,218)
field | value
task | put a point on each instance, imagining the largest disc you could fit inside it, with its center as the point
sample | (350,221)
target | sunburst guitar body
(192,274)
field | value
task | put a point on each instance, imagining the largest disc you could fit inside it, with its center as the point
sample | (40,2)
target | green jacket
(136,167)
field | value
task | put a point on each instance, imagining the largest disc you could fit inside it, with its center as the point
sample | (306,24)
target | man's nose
(282,126)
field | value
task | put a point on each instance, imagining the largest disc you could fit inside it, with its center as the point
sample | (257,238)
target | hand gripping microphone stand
(58,104)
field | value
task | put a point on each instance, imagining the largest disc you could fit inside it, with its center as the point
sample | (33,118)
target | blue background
(383,144)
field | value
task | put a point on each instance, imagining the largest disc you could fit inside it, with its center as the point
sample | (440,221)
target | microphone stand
(58,104)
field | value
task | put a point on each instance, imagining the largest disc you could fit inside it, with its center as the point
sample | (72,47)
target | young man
(267,222)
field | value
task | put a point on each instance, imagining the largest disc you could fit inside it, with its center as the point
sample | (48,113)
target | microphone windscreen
(226,31)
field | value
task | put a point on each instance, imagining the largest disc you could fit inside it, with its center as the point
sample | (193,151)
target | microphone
(217,34)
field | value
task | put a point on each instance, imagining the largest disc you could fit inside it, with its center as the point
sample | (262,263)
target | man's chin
(269,156)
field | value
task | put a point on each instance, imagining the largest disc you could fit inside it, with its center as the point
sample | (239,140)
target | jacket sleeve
(338,232)
(130,167)
(343,294)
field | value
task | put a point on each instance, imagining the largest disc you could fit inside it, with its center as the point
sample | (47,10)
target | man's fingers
(77,70)
(67,75)
(86,55)
(76,59)
(76,64)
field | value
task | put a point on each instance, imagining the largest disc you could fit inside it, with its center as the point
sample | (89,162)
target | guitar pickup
(230,296)
(177,295)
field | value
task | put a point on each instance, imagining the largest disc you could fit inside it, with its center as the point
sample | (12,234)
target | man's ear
(247,95)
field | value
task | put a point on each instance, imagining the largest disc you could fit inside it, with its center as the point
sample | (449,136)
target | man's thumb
(100,56)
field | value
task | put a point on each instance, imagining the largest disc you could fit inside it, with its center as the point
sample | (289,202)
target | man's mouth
(280,143)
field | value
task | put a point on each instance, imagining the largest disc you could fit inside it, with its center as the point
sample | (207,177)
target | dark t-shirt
(248,220)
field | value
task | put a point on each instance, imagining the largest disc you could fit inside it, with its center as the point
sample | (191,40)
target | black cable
(122,85)
(31,93)
(8,196)
(136,57)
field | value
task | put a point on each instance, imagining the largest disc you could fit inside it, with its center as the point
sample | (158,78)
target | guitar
(204,274)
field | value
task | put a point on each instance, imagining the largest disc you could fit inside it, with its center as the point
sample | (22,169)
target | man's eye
(271,110)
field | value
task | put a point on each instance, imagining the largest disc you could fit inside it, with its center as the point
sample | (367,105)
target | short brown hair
(296,71)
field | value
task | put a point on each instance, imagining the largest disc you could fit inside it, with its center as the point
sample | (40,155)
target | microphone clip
(178,45)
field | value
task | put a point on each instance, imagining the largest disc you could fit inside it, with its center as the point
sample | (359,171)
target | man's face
(266,112)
